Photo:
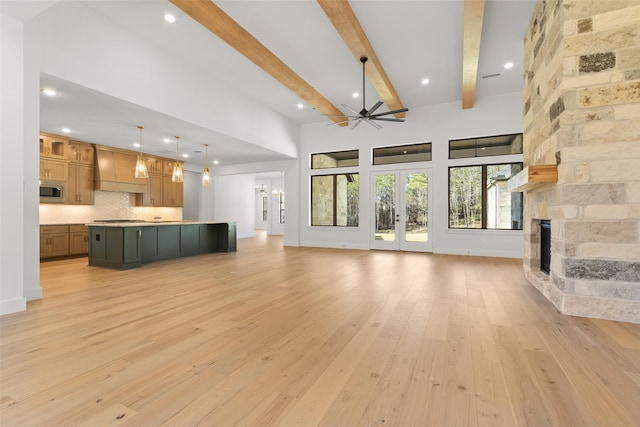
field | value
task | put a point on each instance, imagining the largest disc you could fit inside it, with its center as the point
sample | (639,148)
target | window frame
(483,194)
(328,153)
(476,147)
(334,212)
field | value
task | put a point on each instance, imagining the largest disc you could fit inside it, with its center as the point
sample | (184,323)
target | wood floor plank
(278,336)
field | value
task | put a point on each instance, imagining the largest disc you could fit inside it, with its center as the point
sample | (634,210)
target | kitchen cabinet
(53,146)
(54,241)
(115,247)
(160,243)
(80,185)
(78,239)
(80,152)
(153,195)
(129,245)
(154,164)
(171,192)
(167,167)
(53,170)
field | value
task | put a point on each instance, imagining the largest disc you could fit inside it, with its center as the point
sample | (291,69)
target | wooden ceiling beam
(473,17)
(222,25)
(346,23)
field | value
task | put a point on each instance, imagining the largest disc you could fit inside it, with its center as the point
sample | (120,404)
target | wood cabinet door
(78,152)
(54,170)
(53,146)
(154,165)
(59,244)
(171,192)
(78,243)
(153,195)
(84,185)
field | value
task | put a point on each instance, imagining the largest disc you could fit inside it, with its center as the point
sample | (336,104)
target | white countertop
(150,223)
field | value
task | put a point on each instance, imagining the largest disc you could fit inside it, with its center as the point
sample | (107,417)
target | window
(338,159)
(478,197)
(335,199)
(487,146)
(402,154)
(265,205)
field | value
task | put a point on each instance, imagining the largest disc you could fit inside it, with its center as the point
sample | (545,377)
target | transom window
(336,159)
(486,146)
(402,154)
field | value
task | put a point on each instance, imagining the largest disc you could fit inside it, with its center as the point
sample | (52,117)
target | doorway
(400,214)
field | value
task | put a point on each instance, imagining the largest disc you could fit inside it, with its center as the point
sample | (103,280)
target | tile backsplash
(108,205)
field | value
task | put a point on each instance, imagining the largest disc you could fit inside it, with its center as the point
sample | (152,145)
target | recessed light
(424,82)
(135,144)
(355,94)
(508,65)
(215,162)
(65,130)
(300,106)
(185,155)
(166,140)
(49,92)
(169,18)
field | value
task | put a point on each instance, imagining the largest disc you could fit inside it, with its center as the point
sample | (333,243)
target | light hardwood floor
(273,336)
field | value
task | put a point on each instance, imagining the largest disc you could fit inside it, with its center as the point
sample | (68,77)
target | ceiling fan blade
(401,110)
(351,109)
(375,107)
(356,124)
(374,124)
(387,119)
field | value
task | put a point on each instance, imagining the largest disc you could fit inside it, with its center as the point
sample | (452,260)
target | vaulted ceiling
(290,52)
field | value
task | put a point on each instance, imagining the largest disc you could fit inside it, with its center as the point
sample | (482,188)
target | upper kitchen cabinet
(53,146)
(53,170)
(167,167)
(171,192)
(153,195)
(154,165)
(80,152)
(80,185)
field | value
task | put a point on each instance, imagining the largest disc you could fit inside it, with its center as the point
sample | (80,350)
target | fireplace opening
(545,245)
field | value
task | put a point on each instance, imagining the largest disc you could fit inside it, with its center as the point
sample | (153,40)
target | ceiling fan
(365,115)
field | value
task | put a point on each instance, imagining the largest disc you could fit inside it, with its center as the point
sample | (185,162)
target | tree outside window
(478,197)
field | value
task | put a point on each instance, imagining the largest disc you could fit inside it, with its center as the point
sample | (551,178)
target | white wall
(436,124)
(19,117)
(11,167)
(234,196)
(107,58)
(192,196)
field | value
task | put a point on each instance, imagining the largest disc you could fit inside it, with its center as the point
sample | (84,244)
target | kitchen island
(129,244)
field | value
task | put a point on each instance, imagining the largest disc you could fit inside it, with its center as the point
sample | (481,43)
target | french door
(400,213)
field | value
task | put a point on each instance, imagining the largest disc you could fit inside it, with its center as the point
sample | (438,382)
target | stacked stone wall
(582,112)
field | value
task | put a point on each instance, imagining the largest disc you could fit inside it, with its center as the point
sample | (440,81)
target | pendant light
(178,171)
(141,167)
(262,192)
(206,175)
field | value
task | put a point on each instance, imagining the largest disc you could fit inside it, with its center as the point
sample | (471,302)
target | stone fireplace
(582,114)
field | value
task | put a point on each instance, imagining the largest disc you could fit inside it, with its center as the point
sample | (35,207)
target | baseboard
(334,245)
(13,306)
(477,252)
(33,294)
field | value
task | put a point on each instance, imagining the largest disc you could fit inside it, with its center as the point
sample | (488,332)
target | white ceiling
(413,39)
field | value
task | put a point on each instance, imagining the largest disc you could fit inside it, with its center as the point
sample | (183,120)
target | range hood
(115,171)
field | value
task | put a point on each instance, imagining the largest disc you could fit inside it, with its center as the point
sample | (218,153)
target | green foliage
(465,197)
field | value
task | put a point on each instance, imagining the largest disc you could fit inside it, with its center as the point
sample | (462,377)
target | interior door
(400,213)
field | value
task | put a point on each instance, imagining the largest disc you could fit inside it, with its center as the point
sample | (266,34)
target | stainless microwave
(52,192)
